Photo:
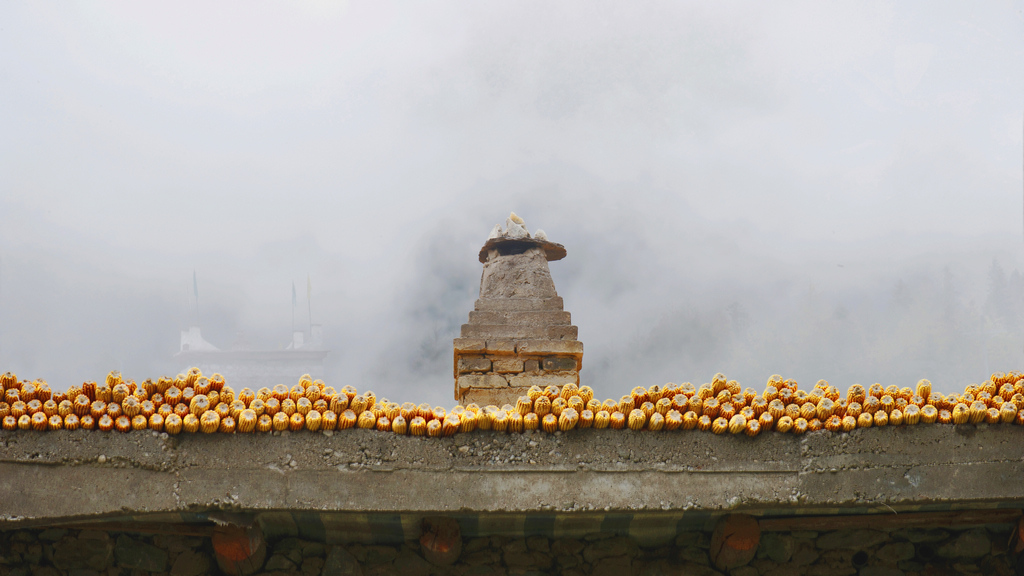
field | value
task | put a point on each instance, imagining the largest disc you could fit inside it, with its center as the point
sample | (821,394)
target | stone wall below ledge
(866,552)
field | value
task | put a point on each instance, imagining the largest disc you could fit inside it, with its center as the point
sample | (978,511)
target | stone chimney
(517,335)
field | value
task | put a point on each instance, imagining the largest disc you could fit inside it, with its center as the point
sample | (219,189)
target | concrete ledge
(84,473)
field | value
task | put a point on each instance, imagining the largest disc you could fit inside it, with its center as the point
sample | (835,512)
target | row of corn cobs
(193,403)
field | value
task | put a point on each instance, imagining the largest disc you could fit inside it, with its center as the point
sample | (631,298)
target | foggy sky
(820,190)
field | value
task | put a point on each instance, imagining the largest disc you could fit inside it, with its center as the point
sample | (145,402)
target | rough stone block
(84,553)
(559,363)
(858,539)
(192,563)
(495,396)
(139,555)
(474,365)
(510,332)
(531,365)
(519,303)
(563,332)
(545,346)
(500,347)
(969,544)
(340,563)
(527,380)
(508,366)
(521,318)
(522,275)
(469,344)
(482,381)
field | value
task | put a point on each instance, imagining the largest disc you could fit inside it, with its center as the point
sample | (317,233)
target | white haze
(821,190)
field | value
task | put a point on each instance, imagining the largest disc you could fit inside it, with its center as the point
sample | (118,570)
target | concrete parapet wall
(69,474)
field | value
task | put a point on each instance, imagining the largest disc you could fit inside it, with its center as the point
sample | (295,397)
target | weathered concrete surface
(70,474)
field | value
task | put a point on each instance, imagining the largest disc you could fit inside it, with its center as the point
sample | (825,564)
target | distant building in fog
(242,367)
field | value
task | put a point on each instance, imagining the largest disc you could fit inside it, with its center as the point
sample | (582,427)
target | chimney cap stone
(516,239)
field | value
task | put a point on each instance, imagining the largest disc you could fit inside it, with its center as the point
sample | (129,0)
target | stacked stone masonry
(981,550)
(518,335)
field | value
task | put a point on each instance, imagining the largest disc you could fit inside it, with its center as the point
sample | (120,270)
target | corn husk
(976,412)
(172,424)
(524,405)
(617,421)
(468,421)
(737,424)
(499,420)
(549,423)
(367,420)
(880,418)
(534,392)
(515,422)
(246,420)
(568,419)
(586,418)
(639,395)
(531,422)
(753,428)
(1007,412)
(896,417)
(637,419)
(265,423)
(314,421)
(418,426)
(209,422)
(824,409)
(542,406)
(808,410)
(992,416)
(961,414)
(189,423)
(924,388)
(400,426)
(586,393)
(887,403)
(703,422)
(569,390)
(673,420)
(929,414)
(799,426)
(434,428)
(833,423)
(695,405)
(626,405)
(784,424)
(710,408)
(719,425)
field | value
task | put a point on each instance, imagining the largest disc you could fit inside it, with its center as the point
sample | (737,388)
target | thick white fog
(820,190)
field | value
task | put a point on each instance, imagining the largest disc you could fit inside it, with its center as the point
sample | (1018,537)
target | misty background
(819,190)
